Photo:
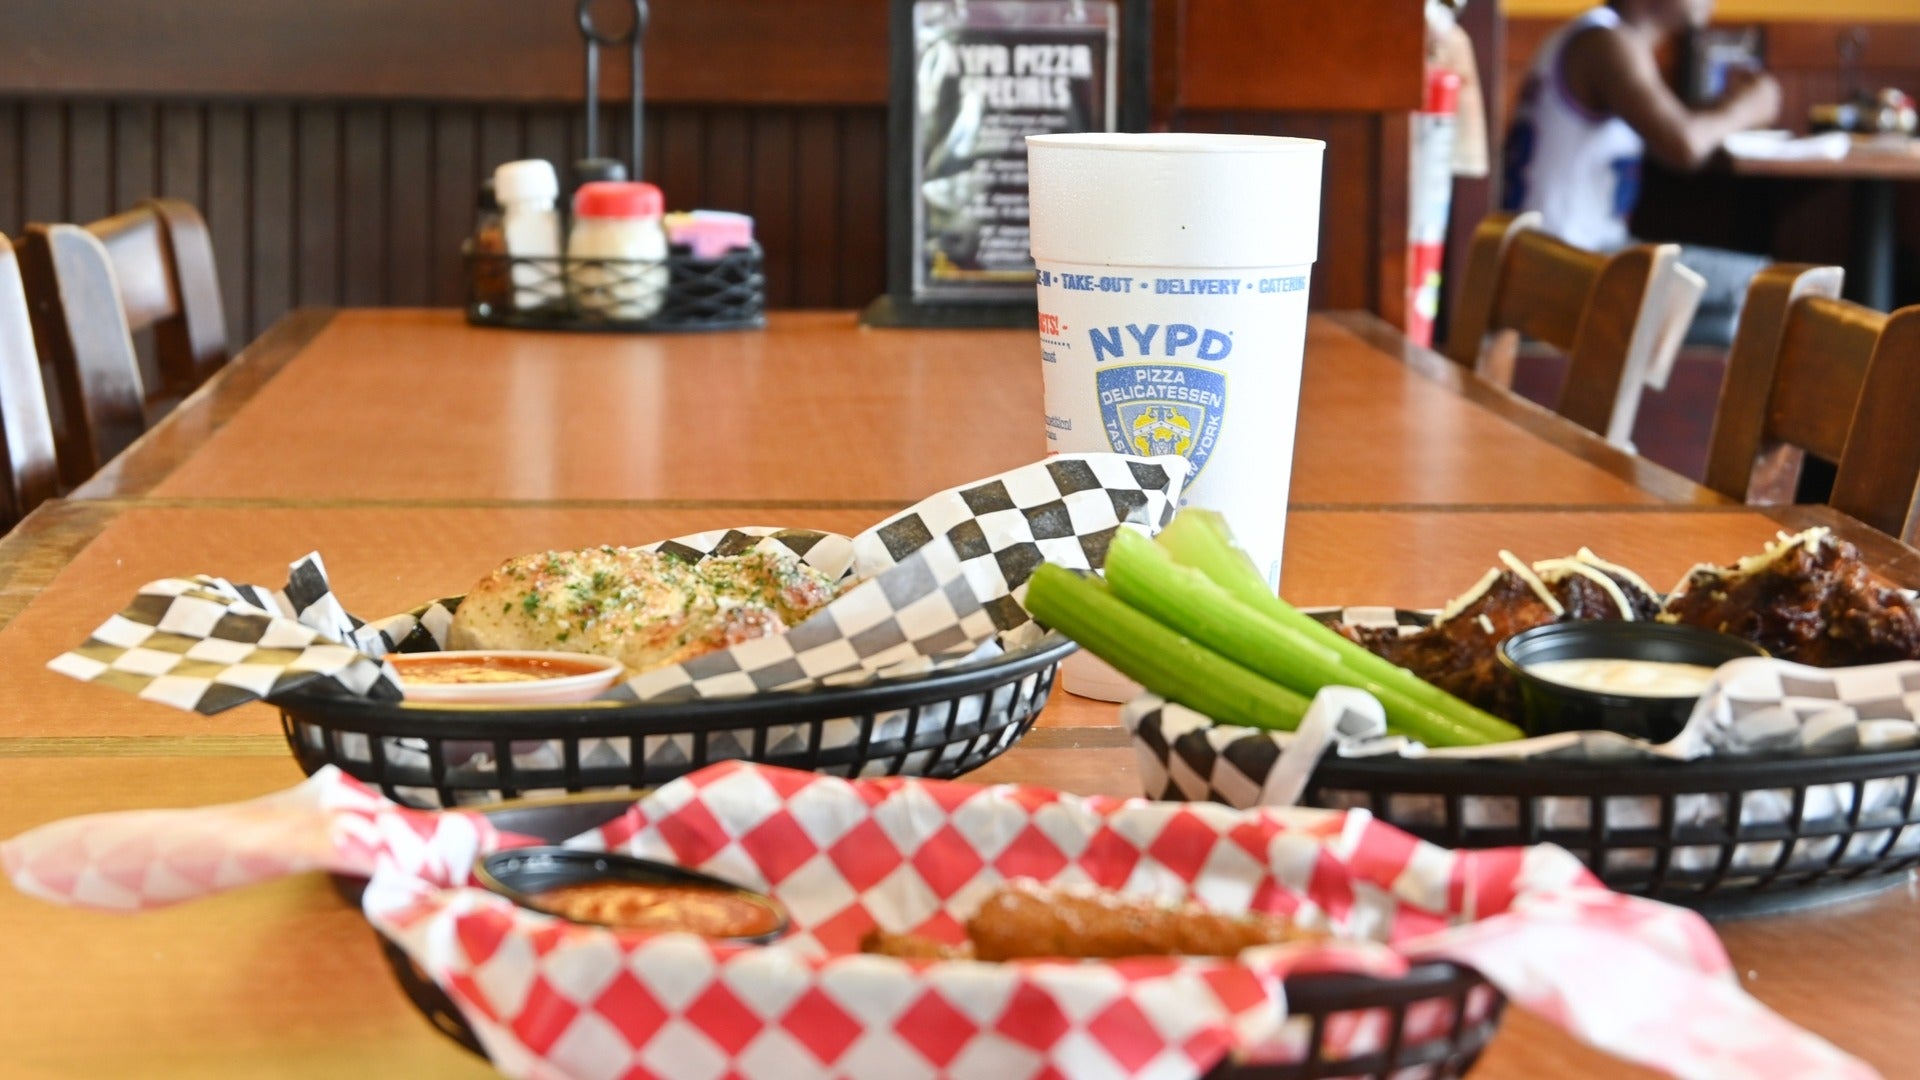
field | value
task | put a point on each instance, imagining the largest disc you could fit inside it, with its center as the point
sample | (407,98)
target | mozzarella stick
(1024,919)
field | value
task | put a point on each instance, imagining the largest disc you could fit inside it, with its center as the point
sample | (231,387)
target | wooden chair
(92,289)
(1810,373)
(26,430)
(1619,317)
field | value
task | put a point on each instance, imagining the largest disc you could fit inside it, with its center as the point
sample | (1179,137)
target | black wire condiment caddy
(726,291)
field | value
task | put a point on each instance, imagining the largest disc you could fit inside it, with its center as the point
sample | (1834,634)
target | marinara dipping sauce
(440,669)
(633,905)
(627,893)
(503,676)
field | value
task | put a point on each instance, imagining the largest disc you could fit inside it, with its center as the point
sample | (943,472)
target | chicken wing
(1807,598)
(1456,653)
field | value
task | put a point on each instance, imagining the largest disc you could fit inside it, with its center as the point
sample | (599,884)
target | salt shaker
(526,190)
(617,251)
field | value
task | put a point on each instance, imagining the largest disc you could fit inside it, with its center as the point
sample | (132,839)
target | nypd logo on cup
(1156,406)
(1153,409)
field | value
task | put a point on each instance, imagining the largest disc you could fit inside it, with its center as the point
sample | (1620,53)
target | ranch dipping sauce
(1633,678)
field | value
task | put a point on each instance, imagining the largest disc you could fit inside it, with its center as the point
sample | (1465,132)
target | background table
(394,443)
(1874,165)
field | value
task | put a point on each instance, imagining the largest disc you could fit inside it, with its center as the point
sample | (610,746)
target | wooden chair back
(163,261)
(85,338)
(26,429)
(92,289)
(1879,474)
(1810,373)
(1598,308)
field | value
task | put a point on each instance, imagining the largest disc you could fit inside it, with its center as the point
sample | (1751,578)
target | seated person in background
(1594,104)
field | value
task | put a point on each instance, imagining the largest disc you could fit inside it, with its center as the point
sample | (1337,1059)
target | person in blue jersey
(1594,106)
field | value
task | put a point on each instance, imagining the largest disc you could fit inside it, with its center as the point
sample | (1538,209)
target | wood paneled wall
(1348,74)
(830,52)
(367,204)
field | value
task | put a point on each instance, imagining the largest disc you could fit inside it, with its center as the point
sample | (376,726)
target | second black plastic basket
(1741,836)
(1729,837)
(939,724)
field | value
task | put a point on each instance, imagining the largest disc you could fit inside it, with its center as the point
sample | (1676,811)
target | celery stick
(1201,539)
(1144,575)
(1157,658)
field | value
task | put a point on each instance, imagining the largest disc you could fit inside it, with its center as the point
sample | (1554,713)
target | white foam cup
(1172,271)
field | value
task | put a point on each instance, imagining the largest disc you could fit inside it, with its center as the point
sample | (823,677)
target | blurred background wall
(335,146)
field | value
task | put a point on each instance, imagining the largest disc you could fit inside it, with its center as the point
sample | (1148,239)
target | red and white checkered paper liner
(550,998)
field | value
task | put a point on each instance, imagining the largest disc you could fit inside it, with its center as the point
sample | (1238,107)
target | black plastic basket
(1819,850)
(1460,1010)
(727,293)
(939,724)
(1728,837)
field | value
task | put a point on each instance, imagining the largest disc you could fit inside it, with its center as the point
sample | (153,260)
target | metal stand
(594,39)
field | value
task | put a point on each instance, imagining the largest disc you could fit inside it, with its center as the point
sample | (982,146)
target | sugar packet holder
(1643,980)
(943,577)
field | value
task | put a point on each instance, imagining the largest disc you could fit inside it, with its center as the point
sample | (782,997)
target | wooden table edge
(1542,423)
(1891,166)
(34,552)
(179,435)
(41,546)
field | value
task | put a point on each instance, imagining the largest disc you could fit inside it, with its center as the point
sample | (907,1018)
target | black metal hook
(594,38)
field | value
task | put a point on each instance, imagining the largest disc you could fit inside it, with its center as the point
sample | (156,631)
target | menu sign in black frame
(972,79)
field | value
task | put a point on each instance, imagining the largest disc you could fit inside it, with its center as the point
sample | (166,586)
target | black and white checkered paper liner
(942,580)
(1753,706)
(204,644)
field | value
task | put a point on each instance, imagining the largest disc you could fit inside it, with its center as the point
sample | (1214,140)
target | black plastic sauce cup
(1554,706)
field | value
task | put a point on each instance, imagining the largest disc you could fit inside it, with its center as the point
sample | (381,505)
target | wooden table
(411,405)
(1874,164)
(380,439)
